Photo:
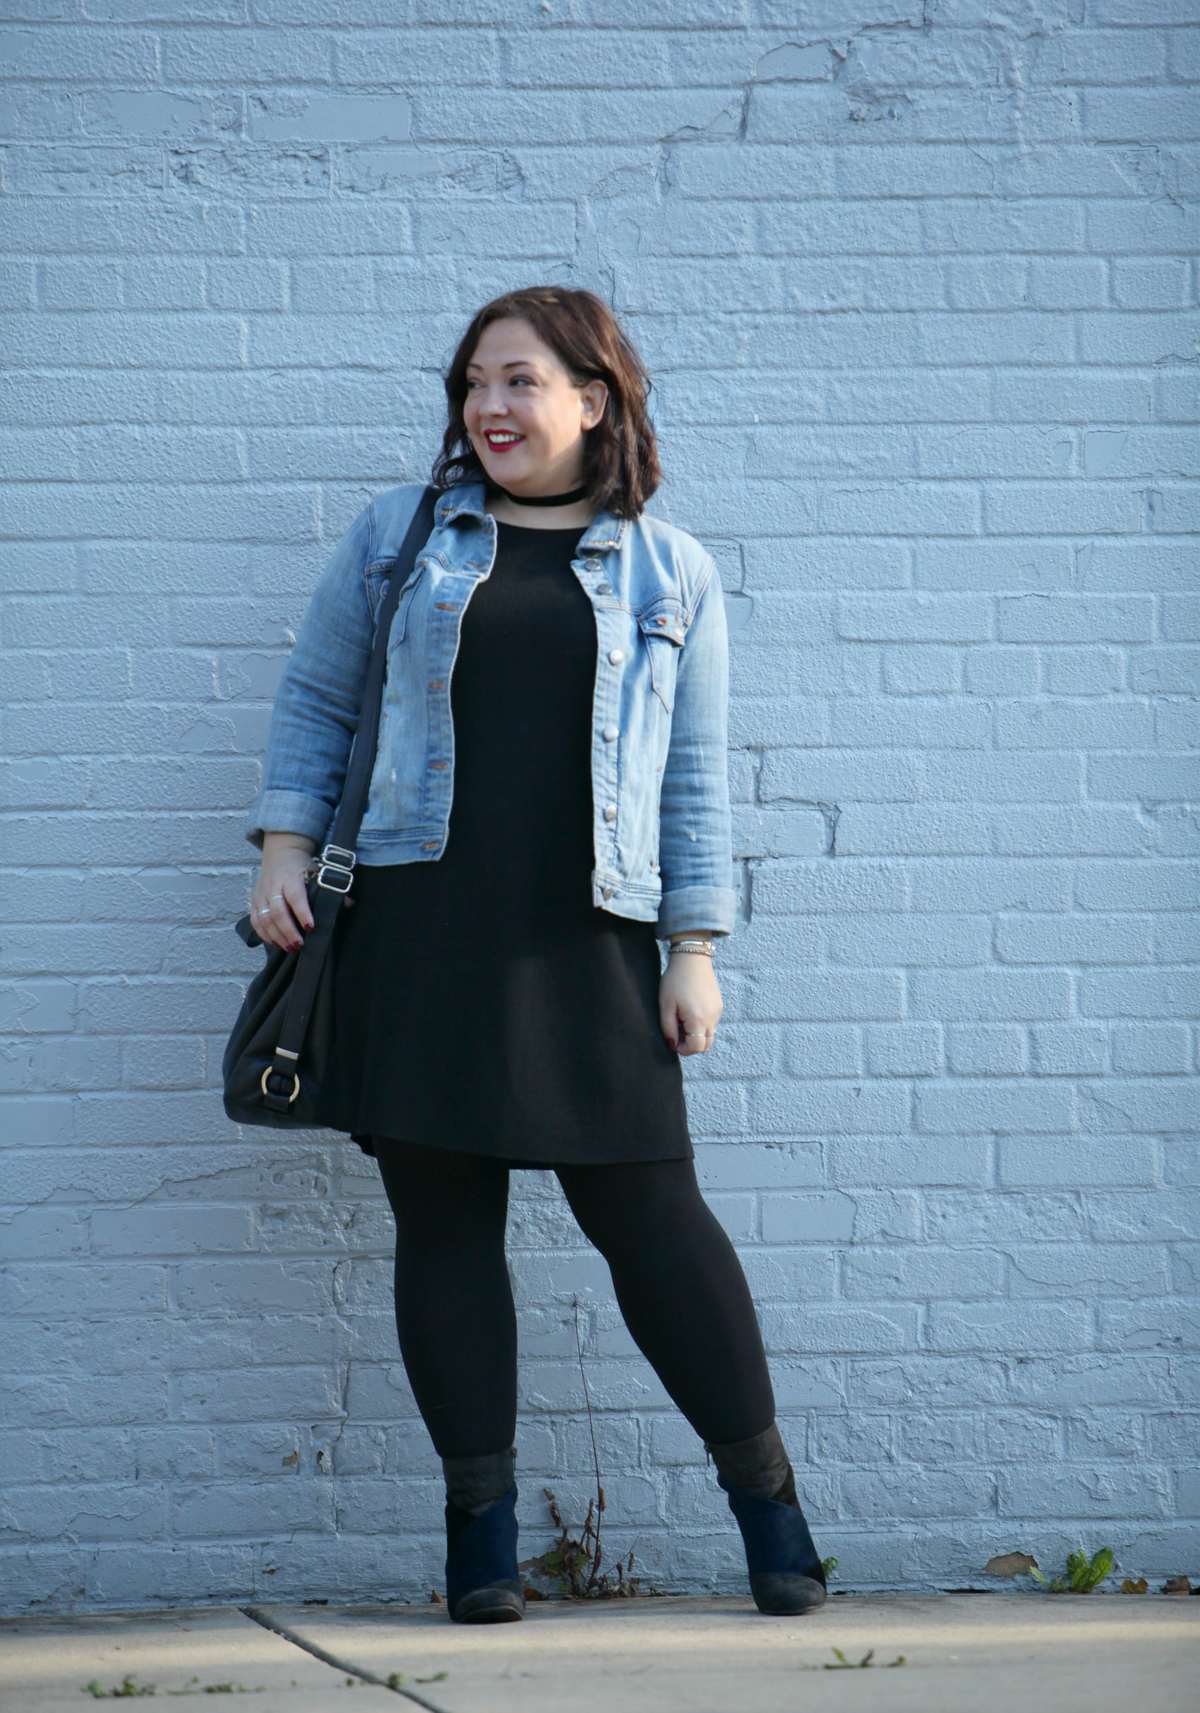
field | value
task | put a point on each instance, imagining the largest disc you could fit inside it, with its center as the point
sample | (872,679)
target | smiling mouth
(504,440)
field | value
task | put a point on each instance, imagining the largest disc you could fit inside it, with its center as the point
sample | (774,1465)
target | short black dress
(483,1003)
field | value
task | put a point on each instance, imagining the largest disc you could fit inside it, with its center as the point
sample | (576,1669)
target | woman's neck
(575,516)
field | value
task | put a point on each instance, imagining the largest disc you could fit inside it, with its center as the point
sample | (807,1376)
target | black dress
(483,1002)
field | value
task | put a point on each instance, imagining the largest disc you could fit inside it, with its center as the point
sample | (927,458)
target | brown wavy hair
(620,454)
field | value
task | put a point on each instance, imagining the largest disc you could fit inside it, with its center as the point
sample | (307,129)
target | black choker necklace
(543,499)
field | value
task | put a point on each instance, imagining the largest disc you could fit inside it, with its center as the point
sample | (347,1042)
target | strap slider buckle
(329,864)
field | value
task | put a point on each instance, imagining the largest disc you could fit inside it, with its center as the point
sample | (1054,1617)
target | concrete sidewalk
(694,1654)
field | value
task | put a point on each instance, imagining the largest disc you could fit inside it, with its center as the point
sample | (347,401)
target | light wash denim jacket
(660,788)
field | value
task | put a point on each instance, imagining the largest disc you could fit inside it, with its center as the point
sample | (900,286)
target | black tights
(678,1281)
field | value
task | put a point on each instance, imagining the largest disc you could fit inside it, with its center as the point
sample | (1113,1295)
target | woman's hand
(282,885)
(689,1002)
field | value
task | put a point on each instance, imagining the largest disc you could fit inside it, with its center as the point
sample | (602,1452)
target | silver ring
(276,895)
(265,911)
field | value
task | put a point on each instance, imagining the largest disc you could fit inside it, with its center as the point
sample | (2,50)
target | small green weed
(1083,1574)
(849,1665)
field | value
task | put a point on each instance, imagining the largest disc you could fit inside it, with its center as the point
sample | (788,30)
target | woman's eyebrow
(517,363)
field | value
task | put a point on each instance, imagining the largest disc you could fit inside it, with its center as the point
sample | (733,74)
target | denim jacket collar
(467,498)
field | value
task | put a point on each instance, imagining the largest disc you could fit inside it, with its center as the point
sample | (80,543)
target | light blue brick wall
(918,292)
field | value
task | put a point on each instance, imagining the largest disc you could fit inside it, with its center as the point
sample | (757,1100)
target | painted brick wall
(917,288)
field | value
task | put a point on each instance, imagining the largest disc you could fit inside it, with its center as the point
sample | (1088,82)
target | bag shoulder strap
(336,863)
(353,803)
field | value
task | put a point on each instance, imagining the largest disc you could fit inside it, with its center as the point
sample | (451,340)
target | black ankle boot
(785,1570)
(483,1584)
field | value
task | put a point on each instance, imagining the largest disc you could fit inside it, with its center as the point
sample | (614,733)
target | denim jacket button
(604,588)
(606,892)
(610,733)
(616,655)
(610,811)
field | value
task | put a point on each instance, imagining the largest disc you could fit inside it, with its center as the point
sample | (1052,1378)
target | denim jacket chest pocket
(662,630)
(378,578)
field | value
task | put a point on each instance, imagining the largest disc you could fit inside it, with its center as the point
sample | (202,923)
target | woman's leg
(455,1316)
(680,1286)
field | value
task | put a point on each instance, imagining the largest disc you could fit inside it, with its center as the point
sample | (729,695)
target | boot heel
(483,1584)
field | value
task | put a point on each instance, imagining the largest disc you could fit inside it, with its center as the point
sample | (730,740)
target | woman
(549,799)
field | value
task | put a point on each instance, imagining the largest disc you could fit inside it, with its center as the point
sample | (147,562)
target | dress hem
(513,1161)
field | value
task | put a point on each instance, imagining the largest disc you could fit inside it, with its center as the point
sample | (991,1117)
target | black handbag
(276,1060)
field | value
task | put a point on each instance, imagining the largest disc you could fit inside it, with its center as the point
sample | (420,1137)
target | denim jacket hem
(706,909)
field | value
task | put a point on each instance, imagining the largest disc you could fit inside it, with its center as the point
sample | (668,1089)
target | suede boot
(783,1563)
(483,1584)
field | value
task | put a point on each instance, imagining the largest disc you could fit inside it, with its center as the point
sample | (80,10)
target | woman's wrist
(699,943)
(287,842)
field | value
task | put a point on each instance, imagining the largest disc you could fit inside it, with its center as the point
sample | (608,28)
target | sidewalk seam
(261,1616)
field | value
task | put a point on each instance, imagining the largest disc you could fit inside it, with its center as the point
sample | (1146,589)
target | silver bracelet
(704,946)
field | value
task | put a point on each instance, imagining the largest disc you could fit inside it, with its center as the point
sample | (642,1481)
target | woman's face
(516,385)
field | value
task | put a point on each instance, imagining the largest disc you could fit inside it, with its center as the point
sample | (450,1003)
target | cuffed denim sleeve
(317,705)
(695,835)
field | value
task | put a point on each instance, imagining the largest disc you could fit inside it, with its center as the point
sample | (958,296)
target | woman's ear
(596,398)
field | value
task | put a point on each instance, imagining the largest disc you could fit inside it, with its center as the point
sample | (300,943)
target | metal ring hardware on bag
(274,1071)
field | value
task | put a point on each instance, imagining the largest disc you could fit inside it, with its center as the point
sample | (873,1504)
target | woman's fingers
(689,1006)
(292,937)
(693,1037)
(685,1034)
(298,910)
(296,893)
(684,1028)
(285,891)
(666,1018)
(291,913)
